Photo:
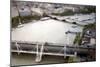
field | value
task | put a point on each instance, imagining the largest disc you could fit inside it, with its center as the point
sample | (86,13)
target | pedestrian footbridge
(40,49)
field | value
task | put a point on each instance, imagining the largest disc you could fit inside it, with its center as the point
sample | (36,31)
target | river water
(52,31)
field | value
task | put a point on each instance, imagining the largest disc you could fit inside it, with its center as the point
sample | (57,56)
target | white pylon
(16,44)
(65,51)
(39,53)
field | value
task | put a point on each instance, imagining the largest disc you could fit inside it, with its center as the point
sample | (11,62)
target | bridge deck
(33,52)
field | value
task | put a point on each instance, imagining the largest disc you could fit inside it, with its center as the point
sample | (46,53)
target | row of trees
(23,19)
(78,38)
(85,10)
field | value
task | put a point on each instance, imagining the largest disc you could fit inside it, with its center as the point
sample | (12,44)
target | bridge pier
(65,51)
(75,53)
(39,52)
(18,47)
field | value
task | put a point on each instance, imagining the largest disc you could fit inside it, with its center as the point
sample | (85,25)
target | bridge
(64,20)
(40,49)
(72,32)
